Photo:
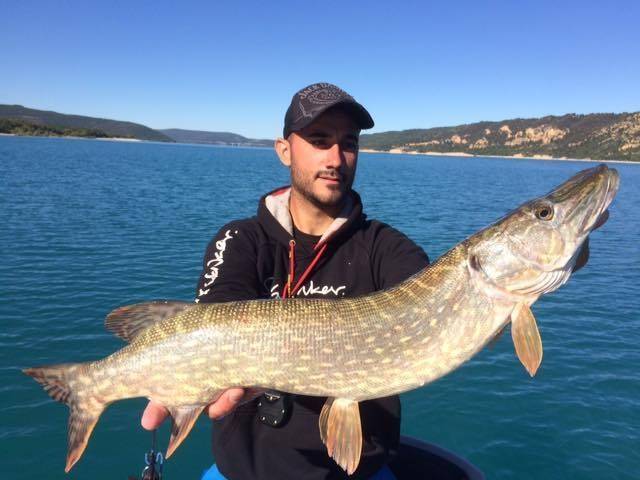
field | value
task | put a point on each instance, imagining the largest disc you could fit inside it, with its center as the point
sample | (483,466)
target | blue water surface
(91,225)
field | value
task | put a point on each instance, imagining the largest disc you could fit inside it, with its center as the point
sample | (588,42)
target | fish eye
(544,212)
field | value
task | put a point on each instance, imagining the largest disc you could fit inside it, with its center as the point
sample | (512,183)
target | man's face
(323,158)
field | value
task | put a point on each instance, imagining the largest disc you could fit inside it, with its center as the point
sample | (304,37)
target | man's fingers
(155,413)
(225,404)
(153,416)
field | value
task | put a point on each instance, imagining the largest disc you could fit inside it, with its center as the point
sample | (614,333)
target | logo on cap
(318,96)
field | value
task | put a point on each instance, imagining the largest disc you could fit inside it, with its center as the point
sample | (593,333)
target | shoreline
(74,137)
(394,151)
(137,140)
(397,151)
(116,139)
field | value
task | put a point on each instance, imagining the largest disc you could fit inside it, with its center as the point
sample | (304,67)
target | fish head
(533,249)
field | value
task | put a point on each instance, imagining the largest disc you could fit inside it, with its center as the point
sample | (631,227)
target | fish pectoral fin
(184,418)
(526,338)
(341,432)
(127,322)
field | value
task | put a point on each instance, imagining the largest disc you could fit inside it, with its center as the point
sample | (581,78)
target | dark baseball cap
(312,101)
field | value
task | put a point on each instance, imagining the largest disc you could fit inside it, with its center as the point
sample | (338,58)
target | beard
(331,197)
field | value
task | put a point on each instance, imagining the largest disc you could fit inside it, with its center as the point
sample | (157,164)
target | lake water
(91,225)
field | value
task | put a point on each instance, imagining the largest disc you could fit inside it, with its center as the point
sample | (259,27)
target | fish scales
(184,355)
(313,347)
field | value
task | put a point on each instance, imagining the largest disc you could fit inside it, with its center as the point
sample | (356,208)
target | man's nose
(335,156)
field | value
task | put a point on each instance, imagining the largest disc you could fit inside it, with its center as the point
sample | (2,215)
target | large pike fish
(183,355)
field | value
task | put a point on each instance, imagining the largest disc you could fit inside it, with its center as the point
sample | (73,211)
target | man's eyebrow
(318,134)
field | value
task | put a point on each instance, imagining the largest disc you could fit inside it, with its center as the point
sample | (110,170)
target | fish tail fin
(64,383)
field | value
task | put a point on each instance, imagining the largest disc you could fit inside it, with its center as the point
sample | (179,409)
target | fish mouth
(610,190)
(586,197)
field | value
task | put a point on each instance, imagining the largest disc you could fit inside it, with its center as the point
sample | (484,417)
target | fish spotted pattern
(183,355)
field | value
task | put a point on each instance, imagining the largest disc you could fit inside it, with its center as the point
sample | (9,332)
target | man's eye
(319,143)
(350,146)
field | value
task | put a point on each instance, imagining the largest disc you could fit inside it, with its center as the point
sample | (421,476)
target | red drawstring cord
(292,269)
(309,268)
(289,292)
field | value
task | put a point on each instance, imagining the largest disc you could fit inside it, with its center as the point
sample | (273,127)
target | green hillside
(16,127)
(601,136)
(62,122)
(598,136)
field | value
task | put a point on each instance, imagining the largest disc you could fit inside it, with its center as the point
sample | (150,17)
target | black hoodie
(252,258)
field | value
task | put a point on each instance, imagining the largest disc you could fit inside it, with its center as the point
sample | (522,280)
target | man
(307,240)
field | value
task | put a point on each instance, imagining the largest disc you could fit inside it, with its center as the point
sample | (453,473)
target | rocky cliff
(601,136)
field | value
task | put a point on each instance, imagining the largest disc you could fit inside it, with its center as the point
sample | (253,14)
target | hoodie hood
(275,217)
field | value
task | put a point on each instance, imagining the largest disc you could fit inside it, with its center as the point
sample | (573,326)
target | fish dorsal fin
(183,420)
(127,322)
(526,338)
(341,432)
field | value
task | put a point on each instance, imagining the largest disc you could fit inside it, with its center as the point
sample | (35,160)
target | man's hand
(583,256)
(155,413)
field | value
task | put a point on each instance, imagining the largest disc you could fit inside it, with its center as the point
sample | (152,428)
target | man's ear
(283,149)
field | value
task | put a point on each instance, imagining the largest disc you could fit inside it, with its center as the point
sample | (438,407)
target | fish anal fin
(343,437)
(526,338)
(84,409)
(127,322)
(324,418)
(184,418)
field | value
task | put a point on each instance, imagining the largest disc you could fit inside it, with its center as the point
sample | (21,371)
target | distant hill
(63,122)
(18,127)
(213,138)
(601,136)
(598,136)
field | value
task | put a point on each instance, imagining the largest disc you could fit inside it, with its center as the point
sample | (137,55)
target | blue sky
(233,66)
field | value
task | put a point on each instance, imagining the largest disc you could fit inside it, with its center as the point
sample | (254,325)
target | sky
(233,66)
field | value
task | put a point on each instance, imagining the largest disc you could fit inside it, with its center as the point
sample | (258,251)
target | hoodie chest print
(311,289)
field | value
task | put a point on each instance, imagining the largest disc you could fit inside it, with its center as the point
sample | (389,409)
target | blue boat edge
(415,458)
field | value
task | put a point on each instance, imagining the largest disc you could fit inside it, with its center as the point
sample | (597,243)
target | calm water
(88,226)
